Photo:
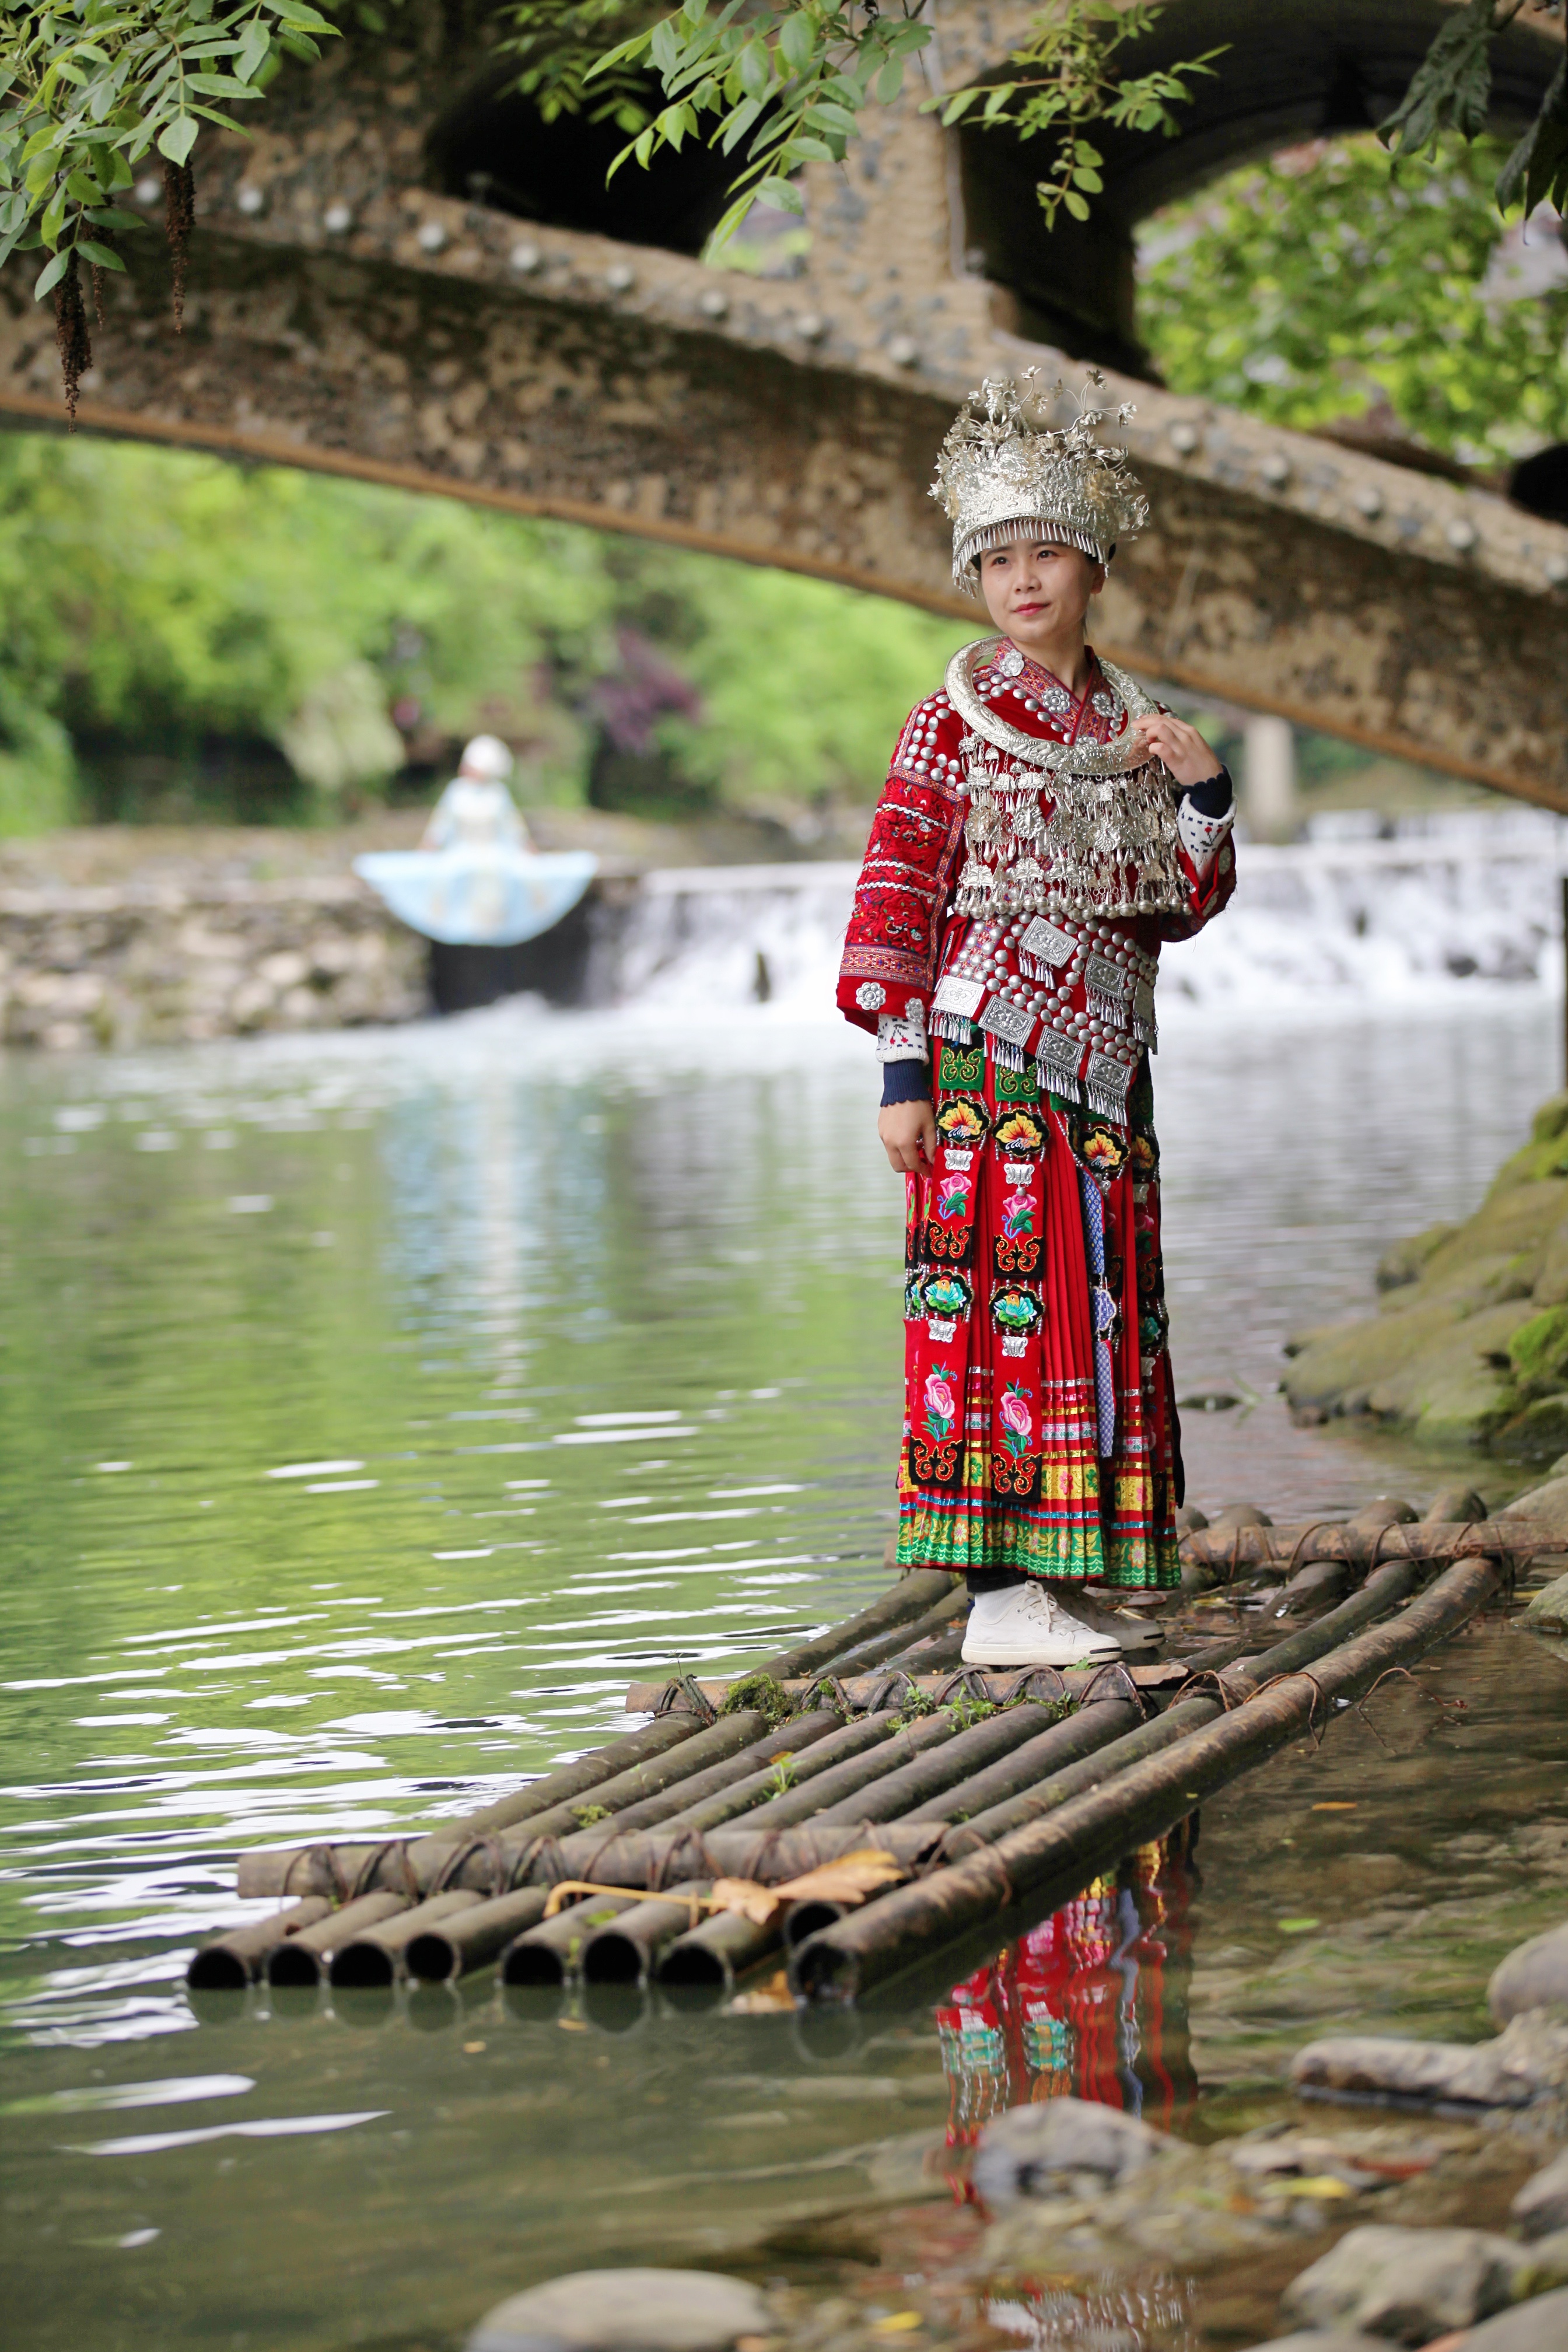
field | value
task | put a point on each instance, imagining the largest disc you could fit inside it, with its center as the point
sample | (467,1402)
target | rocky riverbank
(1104,2231)
(1096,2229)
(1470,1342)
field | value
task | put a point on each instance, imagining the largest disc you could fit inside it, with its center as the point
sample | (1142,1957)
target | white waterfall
(1446,911)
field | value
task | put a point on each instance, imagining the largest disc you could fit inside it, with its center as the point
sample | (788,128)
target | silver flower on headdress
(1001,468)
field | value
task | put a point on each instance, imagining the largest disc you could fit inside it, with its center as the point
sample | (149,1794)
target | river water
(373,1408)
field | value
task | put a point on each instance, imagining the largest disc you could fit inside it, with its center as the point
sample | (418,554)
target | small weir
(864,1803)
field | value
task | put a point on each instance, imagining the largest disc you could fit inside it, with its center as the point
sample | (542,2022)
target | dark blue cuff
(905,1082)
(1214,795)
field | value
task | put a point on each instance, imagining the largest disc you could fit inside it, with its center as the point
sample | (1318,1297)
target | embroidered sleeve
(1201,836)
(902,1036)
(894,930)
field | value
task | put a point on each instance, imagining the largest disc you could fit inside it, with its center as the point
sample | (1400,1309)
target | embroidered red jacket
(892,948)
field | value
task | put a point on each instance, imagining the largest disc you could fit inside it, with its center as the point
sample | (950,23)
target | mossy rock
(1407,1260)
(1539,1350)
(1551,1120)
(1537,1434)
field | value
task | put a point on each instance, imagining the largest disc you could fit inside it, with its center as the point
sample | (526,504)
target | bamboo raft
(863,1802)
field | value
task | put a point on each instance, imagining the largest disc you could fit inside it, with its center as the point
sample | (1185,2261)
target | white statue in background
(475,879)
(476,811)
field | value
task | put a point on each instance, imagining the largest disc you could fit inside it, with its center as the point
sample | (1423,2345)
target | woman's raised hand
(1182,748)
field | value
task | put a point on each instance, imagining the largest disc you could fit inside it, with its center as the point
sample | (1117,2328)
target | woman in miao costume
(1044,830)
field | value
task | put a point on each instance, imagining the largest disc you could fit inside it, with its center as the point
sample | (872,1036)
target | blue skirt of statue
(478,898)
(476,881)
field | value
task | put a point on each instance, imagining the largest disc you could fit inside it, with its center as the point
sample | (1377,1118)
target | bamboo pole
(1048,1860)
(700,1966)
(757,1788)
(1048,1751)
(299,1960)
(575,1779)
(423,1861)
(375,1955)
(864,1655)
(911,1597)
(472,1937)
(784,1741)
(891,1794)
(855,1772)
(627,1951)
(548,1954)
(231,1962)
(981,1827)
(1229,1550)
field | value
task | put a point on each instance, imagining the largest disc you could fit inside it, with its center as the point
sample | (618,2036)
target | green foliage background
(1307,287)
(155,599)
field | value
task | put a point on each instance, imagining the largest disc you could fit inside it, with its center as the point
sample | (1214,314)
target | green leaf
(103,257)
(890,80)
(1451,88)
(756,69)
(1537,171)
(301,18)
(797,41)
(783,196)
(1084,178)
(178,138)
(53,270)
(254,45)
(1075,204)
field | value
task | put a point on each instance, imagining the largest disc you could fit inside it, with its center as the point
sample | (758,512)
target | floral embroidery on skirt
(1040,1425)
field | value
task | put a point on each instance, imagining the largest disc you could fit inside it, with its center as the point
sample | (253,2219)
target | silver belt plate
(1011,1022)
(1047,943)
(1112,1077)
(956,994)
(1058,1053)
(1109,979)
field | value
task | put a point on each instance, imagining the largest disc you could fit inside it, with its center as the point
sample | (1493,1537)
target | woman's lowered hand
(1185,754)
(907,1132)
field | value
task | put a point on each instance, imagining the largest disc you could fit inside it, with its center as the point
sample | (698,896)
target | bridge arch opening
(1315,69)
(492,146)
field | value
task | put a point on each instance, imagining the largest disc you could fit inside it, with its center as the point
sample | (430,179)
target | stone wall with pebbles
(134,965)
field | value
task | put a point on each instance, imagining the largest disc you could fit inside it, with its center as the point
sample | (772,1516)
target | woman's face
(1037,592)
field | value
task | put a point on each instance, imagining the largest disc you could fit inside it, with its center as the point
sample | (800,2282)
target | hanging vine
(90,88)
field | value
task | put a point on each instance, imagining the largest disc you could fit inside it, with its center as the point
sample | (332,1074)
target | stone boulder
(1410,2285)
(1548,1610)
(1452,2074)
(1533,1976)
(1546,1505)
(627,2311)
(1063,2145)
(1539,2325)
(1542,2206)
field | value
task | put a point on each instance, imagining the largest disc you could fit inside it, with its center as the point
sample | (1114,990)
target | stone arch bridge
(406,277)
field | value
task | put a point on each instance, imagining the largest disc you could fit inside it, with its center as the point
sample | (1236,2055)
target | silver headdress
(1002,468)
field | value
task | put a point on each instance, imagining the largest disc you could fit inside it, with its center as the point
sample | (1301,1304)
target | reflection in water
(1091,2005)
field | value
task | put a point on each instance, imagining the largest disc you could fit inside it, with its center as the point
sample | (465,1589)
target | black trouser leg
(993,1580)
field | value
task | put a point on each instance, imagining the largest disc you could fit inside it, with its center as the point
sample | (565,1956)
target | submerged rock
(1542,2206)
(1060,2143)
(1410,2285)
(1548,1609)
(627,2311)
(1527,2060)
(1534,1975)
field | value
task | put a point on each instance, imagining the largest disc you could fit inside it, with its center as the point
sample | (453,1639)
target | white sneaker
(1024,1626)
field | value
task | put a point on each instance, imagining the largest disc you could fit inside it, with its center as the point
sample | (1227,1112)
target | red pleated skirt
(1040,1430)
